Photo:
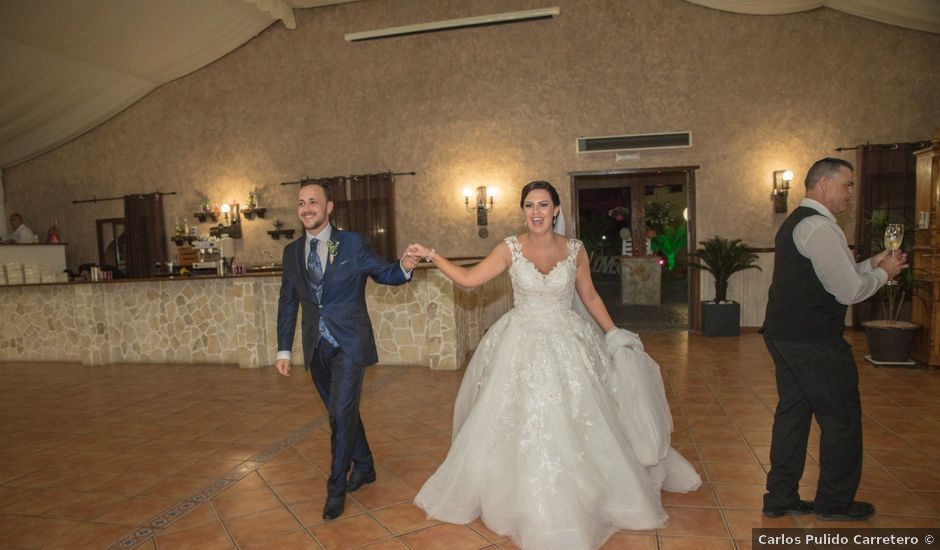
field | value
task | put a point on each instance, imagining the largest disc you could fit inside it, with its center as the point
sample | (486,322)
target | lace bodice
(537,291)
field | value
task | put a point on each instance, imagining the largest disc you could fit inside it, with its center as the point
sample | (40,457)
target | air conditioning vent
(636,142)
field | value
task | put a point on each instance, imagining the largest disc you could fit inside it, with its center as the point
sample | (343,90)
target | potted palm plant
(890,339)
(722,258)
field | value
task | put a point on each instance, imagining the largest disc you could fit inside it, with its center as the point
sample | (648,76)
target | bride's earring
(554,219)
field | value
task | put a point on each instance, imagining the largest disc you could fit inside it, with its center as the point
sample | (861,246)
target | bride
(561,432)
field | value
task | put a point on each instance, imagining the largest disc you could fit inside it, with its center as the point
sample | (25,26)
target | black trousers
(821,380)
(339,382)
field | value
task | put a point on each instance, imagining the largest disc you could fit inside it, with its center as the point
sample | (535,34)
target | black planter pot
(721,318)
(890,341)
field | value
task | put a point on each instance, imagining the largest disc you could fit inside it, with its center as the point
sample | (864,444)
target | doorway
(640,216)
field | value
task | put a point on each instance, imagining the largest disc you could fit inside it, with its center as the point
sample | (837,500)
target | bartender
(21,233)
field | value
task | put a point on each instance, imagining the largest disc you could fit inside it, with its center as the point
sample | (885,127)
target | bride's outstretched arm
(588,294)
(498,261)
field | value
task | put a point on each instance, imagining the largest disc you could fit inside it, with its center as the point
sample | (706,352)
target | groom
(325,271)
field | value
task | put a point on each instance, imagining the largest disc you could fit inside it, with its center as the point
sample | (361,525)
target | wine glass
(894,234)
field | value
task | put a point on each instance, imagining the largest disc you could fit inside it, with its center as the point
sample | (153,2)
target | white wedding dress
(554,444)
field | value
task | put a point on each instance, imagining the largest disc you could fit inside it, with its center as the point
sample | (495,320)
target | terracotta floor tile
(87,506)
(405,517)
(727,453)
(310,512)
(135,511)
(718,472)
(384,544)
(36,532)
(739,495)
(703,496)
(211,536)
(694,521)
(313,488)
(349,532)
(630,541)
(295,540)
(383,492)
(897,503)
(178,487)
(445,535)
(38,501)
(200,515)
(742,521)
(695,543)
(262,525)
(88,535)
(241,504)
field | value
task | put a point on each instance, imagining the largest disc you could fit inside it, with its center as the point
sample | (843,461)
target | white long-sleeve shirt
(820,239)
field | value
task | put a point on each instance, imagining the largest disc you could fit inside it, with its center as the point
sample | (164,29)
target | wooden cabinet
(926,302)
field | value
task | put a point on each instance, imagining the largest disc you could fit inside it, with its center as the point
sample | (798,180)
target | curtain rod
(892,146)
(343,179)
(96,199)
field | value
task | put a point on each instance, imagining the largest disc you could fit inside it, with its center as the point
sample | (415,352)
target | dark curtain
(146,238)
(365,204)
(885,181)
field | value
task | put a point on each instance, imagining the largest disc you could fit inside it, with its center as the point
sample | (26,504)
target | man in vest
(815,279)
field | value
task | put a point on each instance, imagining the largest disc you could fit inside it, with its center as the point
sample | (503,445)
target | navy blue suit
(337,372)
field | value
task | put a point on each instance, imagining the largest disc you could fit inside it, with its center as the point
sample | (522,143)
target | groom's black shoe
(334,507)
(801,508)
(358,479)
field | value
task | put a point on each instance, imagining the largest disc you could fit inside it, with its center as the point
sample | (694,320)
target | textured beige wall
(498,106)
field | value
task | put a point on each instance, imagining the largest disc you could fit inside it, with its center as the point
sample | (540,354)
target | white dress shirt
(21,235)
(820,239)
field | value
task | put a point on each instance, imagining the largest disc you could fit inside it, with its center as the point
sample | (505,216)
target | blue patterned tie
(315,272)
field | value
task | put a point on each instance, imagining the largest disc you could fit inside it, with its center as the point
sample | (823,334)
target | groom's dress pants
(339,383)
(822,380)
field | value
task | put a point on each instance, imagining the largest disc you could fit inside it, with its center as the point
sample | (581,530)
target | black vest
(799,309)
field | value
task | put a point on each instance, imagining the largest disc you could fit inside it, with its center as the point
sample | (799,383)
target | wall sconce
(233,225)
(481,207)
(782,179)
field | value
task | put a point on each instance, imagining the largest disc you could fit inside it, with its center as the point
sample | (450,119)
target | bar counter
(232,320)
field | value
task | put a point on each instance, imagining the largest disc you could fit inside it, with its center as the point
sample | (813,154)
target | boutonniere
(331,249)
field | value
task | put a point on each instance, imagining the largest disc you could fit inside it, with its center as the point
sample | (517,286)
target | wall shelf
(250,213)
(203,216)
(277,233)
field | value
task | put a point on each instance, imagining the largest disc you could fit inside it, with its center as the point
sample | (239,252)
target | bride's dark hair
(533,185)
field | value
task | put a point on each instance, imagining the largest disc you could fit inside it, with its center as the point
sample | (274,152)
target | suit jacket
(343,306)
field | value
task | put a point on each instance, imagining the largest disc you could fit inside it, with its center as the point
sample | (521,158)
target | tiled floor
(216,457)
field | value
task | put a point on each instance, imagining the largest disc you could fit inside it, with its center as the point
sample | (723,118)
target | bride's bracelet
(430,256)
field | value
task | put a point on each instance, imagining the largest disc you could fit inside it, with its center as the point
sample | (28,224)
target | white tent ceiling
(68,65)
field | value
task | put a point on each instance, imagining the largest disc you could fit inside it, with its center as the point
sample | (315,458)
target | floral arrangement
(331,249)
(619,213)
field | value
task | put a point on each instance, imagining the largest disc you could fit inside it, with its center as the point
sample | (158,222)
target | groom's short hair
(323,183)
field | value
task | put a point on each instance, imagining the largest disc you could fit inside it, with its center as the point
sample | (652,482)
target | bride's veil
(578,304)
(643,408)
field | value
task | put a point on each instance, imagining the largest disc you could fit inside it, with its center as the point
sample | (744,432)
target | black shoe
(334,507)
(801,508)
(858,511)
(358,479)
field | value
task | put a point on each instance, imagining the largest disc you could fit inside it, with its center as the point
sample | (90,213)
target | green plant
(723,258)
(662,215)
(669,241)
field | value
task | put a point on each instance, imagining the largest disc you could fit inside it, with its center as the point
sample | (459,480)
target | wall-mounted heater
(480,21)
(635,142)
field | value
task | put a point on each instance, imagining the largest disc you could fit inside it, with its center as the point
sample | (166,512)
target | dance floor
(206,457)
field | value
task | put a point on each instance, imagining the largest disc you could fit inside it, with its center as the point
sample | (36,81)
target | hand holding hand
(409,261)
(418,250)
(283,366)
